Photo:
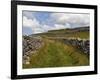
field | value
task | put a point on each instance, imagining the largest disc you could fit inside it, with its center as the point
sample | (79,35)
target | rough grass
(57,54)
(82,34)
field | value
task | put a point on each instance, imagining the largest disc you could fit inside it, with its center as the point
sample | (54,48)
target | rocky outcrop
(30,46)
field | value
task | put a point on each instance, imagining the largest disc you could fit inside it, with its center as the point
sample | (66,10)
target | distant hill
(80,32)
(72,29)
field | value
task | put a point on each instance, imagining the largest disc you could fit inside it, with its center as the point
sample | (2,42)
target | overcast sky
(39,22)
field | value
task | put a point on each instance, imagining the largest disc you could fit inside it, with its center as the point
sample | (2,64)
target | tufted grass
(57,54)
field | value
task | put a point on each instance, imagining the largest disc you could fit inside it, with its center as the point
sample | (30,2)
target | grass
(67,34)
(56,54)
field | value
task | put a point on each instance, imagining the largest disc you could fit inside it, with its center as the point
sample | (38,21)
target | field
(54,52)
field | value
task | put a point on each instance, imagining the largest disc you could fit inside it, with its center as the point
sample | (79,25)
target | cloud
(59,26)
(72,19)
(38,30)
(30,22)
(35,25)
(29,14)
(46,27)
(54,27)
(56,21)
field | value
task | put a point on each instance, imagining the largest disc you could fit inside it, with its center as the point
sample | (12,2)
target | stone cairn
(30,46)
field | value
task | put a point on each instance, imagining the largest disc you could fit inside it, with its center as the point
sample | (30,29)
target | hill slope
(82,32)
(55,53)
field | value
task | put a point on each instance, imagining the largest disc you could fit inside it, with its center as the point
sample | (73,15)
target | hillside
(82,32)
(57,48)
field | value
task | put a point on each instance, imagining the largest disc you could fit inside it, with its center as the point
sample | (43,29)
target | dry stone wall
(82,44)
(30,46)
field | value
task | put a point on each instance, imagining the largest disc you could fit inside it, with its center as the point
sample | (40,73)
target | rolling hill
(55,53)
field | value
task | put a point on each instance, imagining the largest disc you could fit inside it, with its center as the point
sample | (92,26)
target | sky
(39,22)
